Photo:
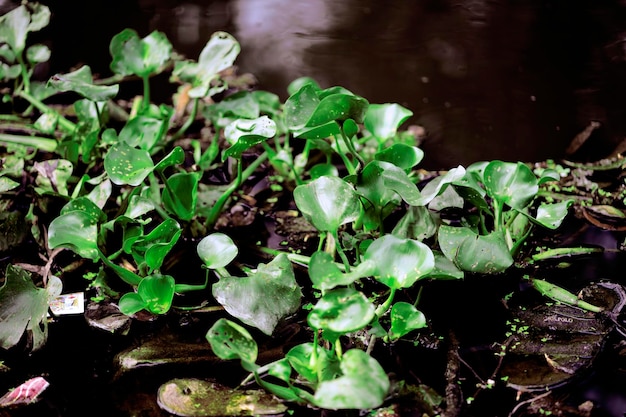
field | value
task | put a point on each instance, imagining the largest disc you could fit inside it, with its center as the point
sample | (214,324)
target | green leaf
(85,205)
(242,134)
(300,106)
(399,262)
(514,184)
(143,132)
(217,250)
(444,268)
(327,203)
(383,120)
(405,318)
(231,341)
(363,385)
(325,274)
(184,185)
(380,179)
(37,54)
(241,105)
(217,55)
(300,355)
(473,253)
(298,83)
(157,291)
(153,247)
(552,215)
(23,308)
(264,297)
(141,57)
(81,82)
(342,311)
(437,185)
(127,165)
(77,230)
(338,107)
(131,303)
(7,184)
(417,223)
(175,157)
(401,155)
(15,25)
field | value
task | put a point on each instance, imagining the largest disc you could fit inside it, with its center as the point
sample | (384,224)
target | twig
(529,401)
(454,396)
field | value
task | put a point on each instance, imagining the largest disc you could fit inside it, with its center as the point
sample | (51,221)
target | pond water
(487,79)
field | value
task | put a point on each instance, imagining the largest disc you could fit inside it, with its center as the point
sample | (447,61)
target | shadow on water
(487,79)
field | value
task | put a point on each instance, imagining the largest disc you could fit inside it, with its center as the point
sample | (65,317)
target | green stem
(65,124)
(217,208)
(294,257)
(346,161)
(44,144)
(497,210)
(24,72)
(146,93)
(382,309)
(563,252)
(351,148)
(341,253)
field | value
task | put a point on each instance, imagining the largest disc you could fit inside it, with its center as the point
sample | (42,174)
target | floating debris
(26,393)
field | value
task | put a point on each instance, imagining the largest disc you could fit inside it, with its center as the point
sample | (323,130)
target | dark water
(513,80)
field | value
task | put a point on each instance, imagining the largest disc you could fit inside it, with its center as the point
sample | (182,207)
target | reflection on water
(487,79)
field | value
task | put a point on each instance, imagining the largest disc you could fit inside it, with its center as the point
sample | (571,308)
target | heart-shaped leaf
(327,203)
(342,311)
(512,184)
(143,132)
(383,120)
(15,25)
(127,165)
(77,230)
(141,57)
(405,318)
(399,262)
(401,155)
(217,250)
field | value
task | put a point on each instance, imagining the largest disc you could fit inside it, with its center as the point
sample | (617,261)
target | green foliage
(131,193)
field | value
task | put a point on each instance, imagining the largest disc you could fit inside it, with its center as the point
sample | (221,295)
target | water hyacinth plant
(131,189)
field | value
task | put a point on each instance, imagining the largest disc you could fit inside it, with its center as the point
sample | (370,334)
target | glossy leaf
(175,157)
(552,215)
(327,203)
(417,223)
(263,298)
(435,186)
(157,291)
(338,107)
(184,185)
(473,253)
(300,355)
(127,165)
(380,178)
(325,274)
(514,184)
(401,155)
(76,230)
(81,82)
(383,120)
(217,250)
(399,262)
(363,385)
(342,311)
(153,247)
(243,134)
(231,341)
(141,57)
(404,319)
(300,106)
